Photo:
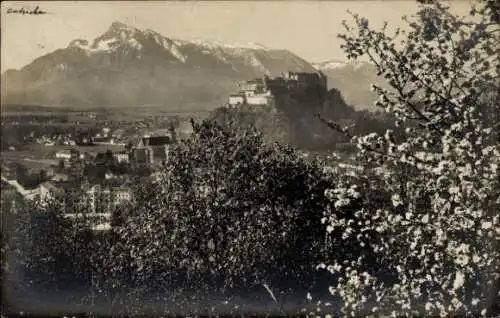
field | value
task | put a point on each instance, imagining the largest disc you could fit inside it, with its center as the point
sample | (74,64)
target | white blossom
(425,218)
(459,280)
(445,167)
(396,200)
(486,225)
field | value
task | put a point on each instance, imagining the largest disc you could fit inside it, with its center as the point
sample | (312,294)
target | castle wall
(236,100)
(259,100)
(253,86)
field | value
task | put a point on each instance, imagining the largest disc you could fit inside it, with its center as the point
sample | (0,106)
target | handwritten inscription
(26,11)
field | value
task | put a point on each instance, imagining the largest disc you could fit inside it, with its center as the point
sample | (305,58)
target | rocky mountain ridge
(129,67)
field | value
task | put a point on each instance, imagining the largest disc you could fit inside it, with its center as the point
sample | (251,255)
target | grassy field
(37,165)
(38,157)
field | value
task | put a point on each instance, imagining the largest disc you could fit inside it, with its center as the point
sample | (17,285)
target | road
(27,194)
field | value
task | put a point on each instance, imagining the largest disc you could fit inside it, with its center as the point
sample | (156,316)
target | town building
(96,203)
(67,154)
(122,157)
(118,133)
(121,195)
(49,171)
(152,150)
(141,157)
(69,142)
(84,139)
(76,169)
(66,192)
(103,199)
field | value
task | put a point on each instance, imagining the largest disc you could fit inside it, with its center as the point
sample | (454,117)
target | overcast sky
(307,28)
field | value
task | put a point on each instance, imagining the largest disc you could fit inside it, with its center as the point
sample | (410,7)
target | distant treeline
(39,108)
(148,110)
(22,118)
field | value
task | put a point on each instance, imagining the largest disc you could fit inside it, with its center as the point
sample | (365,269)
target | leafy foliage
(274,126)
(230,212)
(46,252)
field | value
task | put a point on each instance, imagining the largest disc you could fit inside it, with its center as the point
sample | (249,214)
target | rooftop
(67,151)
(60,177)
(157,140)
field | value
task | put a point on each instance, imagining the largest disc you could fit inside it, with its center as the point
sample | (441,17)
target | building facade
(152,150)
(237,99)
(68,154)
(122,157)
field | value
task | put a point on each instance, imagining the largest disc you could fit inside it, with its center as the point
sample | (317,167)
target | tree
(43,175)
(424,208)
(129,146)
(231,213)
(48,252)
(38,248)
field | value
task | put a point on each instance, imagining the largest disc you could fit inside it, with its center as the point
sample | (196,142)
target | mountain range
(126,66)
(353,80)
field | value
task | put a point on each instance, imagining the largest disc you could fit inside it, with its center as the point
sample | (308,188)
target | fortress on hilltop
(275,92)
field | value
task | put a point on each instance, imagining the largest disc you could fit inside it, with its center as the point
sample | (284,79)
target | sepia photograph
(250,158)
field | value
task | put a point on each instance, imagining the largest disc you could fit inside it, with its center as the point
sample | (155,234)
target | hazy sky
(307,28)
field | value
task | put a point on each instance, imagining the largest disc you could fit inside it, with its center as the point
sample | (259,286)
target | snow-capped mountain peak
(217,45)
(329,65)
(337,64)
(118,35)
